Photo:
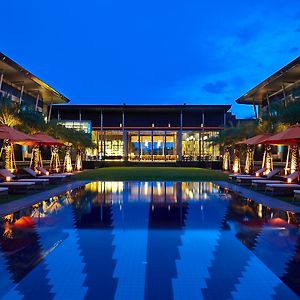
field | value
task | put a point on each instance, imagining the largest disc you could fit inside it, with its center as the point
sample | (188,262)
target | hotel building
(148,132)
(283,86)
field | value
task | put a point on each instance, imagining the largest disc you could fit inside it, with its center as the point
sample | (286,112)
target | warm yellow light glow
(54,163)
(68,162)
(257,174)
(47,173)
(78,161)
(289,180)
(8,178)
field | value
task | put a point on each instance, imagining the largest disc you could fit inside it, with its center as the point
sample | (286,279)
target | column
(1,79)
(283,91)
(202,135)
(21,94)
(101,135)
(152,146)
(37,104)
(179,138)
(125,139)
(140,149)
(165,146)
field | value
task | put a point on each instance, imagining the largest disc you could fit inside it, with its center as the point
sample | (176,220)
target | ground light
(236,168)
(78,161)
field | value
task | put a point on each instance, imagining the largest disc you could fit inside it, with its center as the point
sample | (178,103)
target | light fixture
(289,180)
(8,178)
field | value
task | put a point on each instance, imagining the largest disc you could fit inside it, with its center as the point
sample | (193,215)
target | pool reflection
(162,228)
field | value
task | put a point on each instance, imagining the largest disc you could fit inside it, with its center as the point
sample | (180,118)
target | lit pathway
(264,199)
(201,234)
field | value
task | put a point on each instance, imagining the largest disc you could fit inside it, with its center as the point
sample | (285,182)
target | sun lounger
(3,191)
(248,180)
(52,178)
(296,194)
(258,173)
(17,186)
(260,184)
(7,176)
(45,172)
(286,189)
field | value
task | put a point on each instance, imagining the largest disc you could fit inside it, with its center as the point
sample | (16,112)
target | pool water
(149,240)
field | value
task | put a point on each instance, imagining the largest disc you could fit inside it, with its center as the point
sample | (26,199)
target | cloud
(216,87)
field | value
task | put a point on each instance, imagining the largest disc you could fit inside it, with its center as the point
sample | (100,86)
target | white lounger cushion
(16,183)
(32,180)
(266,181)
(297,191)
(3,189)
(284,185)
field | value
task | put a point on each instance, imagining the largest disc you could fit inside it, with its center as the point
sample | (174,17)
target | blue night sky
(152,52)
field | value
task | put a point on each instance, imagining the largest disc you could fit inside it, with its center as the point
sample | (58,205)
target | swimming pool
(149,240)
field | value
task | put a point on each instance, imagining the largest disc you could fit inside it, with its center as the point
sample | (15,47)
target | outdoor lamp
(289,180)
(47,173)
(8,178)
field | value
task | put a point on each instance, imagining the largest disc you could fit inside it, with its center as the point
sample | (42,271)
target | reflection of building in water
(150,191)
(198,190)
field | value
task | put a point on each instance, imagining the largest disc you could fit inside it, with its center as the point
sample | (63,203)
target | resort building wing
(24,87)
(147,132)
(284,86)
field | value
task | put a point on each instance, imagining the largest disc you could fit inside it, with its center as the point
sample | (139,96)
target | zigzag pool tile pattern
(145,240)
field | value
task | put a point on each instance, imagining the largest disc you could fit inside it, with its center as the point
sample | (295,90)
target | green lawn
(151,173)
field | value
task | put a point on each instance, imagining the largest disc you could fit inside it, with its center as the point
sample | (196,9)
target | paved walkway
(31,199)
(259,197)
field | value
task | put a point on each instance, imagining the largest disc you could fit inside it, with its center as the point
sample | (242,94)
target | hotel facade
(157,133)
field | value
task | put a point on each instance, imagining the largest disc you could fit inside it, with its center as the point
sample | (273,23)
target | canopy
(255,140)
(286,137)
(45,139)
(16,136)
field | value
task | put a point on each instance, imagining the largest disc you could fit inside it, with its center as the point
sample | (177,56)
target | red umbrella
(255,140)
(16,136)
(287,137)
(47,140)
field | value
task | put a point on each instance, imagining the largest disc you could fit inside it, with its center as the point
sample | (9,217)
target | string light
(54,162)
(67,161)
(36,159)
(249,165)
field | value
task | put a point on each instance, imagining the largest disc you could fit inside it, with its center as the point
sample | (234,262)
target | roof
(97,107)
(288,75)
(16,76)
